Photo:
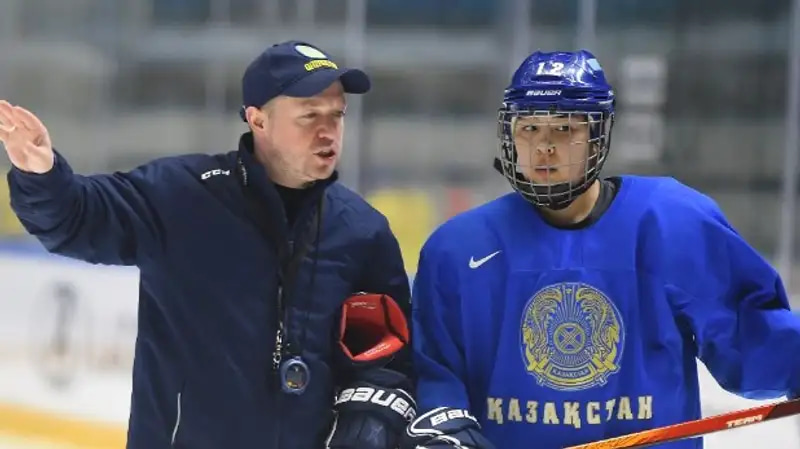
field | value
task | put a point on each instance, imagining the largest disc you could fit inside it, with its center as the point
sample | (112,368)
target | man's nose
(329,127)
(327,130)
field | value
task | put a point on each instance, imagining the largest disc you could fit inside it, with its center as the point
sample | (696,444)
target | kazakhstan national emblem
(572,337)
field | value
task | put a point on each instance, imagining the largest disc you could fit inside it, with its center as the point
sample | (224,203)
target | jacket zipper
(177,422)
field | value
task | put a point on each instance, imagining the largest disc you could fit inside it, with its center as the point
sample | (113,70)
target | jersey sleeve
(736,305)
(98,219)
(436,332)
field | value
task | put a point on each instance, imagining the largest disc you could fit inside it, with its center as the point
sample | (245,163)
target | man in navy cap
(252,330)
(294,104)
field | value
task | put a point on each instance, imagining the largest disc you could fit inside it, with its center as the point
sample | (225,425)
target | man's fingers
(6,114)
(29,120)
(5,131)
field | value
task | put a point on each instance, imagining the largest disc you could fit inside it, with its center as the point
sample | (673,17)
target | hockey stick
(699,427)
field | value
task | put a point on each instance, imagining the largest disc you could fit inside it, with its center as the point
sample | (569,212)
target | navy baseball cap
(295,69)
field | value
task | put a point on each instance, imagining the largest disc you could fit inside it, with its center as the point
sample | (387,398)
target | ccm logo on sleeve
(216,172)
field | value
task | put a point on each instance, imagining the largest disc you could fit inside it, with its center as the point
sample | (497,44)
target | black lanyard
(290,253)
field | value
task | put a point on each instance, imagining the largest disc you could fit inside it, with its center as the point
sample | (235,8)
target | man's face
(302,137)
(551,148)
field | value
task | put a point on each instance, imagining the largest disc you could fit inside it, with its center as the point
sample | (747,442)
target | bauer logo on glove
(398,401)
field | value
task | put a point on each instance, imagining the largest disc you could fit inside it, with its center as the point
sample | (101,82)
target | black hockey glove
(445,428)
(375,407)
(373,413)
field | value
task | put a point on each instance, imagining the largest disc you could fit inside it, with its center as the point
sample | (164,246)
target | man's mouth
(326,154)
(545,168)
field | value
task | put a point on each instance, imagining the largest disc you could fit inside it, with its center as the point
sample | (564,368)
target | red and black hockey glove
(445,428)
(374,408)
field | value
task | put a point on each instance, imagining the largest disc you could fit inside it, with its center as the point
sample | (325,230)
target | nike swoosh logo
(477,263)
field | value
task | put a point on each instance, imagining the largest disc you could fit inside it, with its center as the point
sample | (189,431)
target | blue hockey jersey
(555,337)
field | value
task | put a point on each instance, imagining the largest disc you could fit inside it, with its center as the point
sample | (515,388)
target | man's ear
(255,118)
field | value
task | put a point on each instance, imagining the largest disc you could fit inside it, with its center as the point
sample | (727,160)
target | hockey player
(574,309)
(247,261)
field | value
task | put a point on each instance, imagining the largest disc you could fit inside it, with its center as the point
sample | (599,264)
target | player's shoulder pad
(682,201)
(680,213)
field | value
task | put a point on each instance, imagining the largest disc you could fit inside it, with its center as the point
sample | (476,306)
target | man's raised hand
(25,139)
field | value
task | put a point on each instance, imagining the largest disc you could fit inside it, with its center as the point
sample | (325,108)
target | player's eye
(561,128)
(530,128)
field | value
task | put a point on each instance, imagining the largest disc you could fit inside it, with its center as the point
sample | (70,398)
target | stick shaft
(696,428)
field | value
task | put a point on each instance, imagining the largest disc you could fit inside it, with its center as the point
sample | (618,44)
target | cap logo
(318,64)
(310,52)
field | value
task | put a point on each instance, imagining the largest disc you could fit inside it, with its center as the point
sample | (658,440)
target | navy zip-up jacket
(203,374)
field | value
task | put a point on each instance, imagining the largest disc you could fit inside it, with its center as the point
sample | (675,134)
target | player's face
(303,136)
(551,149)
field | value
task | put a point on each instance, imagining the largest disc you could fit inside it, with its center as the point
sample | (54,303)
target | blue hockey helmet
(549,90)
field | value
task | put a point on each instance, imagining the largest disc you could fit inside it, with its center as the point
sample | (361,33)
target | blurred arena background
(708,94)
